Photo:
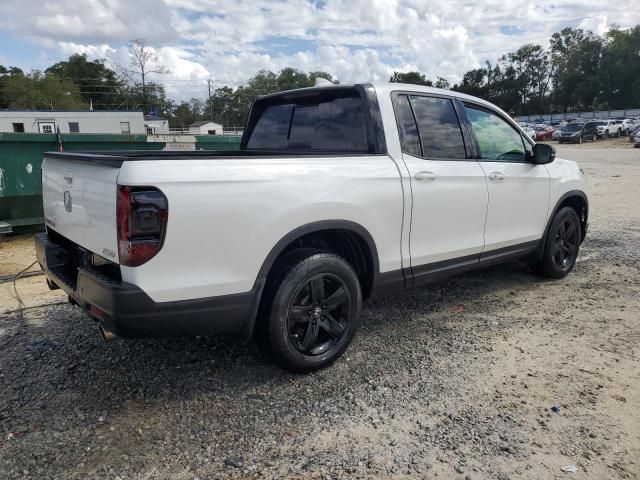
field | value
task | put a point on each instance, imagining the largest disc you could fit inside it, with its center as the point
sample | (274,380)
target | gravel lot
(457,380)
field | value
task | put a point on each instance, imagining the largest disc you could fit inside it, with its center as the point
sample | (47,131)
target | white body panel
(448,210)
(226,214)
(564,176)
(518,203)
(89,218)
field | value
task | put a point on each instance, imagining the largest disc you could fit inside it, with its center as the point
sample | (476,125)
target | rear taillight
(142,224)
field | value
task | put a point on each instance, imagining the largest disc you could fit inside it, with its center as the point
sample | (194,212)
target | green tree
(98,84)
(415,78)
(39,91)
(442,83)
(530,77)
(576,59)
(620,69)
(5,74)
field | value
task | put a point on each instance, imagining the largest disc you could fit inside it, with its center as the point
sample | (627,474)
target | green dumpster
(21,175)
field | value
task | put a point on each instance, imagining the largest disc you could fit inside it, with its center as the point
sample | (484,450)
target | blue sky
(354,40)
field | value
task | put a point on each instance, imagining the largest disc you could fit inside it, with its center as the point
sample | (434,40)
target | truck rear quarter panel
(226,214)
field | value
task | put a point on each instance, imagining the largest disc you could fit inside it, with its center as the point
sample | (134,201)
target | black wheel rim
(565,247)
(318,315)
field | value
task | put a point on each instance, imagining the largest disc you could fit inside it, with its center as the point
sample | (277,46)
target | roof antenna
(322,82)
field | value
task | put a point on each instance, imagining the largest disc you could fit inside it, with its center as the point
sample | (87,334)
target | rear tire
(313,310)
(561,246)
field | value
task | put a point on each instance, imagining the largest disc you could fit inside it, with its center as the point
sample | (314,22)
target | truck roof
(389,87)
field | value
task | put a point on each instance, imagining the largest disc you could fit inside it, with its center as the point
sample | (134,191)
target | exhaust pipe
(107,335)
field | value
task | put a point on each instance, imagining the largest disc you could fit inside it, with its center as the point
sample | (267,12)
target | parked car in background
(543,132)
(633,133)
(607,128)
(618,125)
(636,139)
(628,125)
(529,130)
(579,132)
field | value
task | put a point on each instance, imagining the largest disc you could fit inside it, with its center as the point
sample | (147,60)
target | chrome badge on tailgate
(68,205)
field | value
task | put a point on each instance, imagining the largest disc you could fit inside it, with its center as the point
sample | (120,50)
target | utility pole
(210,101)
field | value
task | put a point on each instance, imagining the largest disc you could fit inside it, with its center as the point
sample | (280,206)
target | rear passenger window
(438,127)
(407,127)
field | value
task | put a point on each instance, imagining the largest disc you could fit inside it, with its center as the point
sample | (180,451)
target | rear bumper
(128,311)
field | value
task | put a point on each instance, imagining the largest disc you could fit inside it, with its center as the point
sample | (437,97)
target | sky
(354,40)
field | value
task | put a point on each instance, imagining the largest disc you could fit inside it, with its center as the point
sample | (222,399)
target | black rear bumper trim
(129,312)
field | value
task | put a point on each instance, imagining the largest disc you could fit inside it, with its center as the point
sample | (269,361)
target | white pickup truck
(337,194)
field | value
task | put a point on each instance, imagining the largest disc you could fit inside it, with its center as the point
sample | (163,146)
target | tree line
(577,71)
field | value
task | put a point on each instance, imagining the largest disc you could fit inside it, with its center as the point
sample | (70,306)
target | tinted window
(18,127)
(496,138)
(328,124)
(407,127)
(572,127)
(74,127)
(438,127)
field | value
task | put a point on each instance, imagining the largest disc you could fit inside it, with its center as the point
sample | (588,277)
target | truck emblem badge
(68,206)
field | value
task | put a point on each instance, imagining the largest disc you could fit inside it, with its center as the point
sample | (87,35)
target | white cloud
(597,24)
(355,40)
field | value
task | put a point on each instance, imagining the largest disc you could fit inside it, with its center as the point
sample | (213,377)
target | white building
(72,121)
(156,125)
(206,127)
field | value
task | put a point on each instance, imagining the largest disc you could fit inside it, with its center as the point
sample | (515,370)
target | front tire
(314,311)
(562,245)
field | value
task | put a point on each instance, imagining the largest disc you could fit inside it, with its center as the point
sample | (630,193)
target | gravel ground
(495,374)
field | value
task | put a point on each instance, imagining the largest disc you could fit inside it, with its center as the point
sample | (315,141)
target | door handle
(426,175)
(496,176)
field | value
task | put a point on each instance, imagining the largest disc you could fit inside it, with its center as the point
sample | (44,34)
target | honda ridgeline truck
(337,194)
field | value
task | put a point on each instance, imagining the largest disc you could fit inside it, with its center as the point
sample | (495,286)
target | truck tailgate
(79,200)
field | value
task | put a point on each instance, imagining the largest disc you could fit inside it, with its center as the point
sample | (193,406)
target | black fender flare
(294,235)
(570,193)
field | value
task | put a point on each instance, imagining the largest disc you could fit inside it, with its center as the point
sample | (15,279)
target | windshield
(573,127)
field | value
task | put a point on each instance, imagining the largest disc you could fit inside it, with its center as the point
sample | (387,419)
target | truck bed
(117,158)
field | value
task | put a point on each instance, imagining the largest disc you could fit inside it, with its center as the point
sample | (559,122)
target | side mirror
(543,153)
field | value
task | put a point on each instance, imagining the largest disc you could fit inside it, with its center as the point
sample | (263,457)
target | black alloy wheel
(565,244)
(319,314)
(311,310)
(561,244)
